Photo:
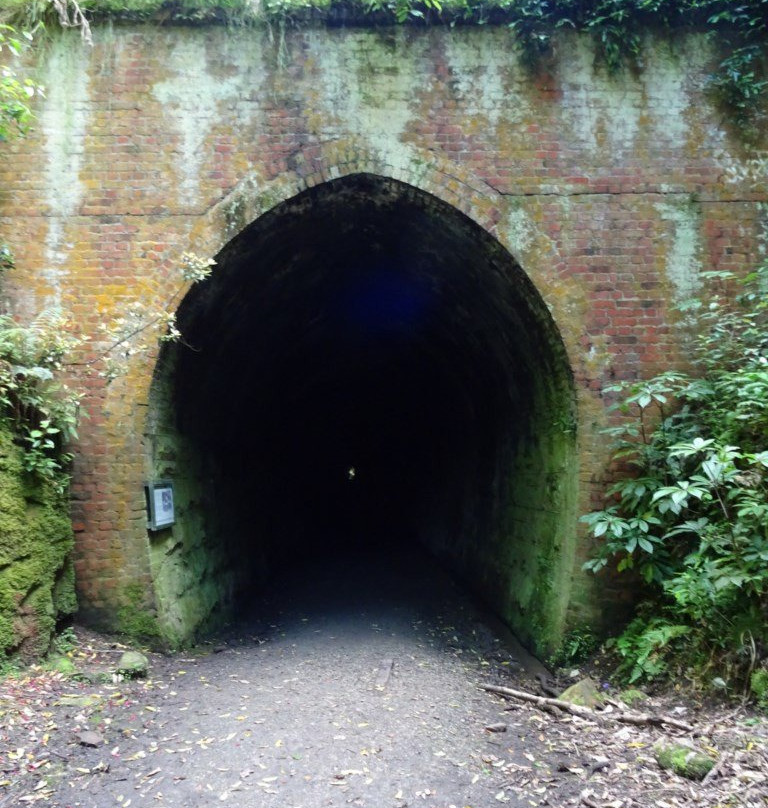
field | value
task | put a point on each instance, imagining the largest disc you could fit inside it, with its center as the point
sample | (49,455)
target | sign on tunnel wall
(607,196)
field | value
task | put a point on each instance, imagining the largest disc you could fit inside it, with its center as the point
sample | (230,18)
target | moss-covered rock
(61,664)
(684,761)
(758,685)
(37,584)
(583,693)
(133,665)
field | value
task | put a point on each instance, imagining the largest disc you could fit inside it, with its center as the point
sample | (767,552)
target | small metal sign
(160,509)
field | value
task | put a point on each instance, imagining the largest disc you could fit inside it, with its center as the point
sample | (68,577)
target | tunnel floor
(358,688)
(353,681)
(356,683)
(365,590)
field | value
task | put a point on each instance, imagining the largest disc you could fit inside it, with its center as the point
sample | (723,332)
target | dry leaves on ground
(599,764)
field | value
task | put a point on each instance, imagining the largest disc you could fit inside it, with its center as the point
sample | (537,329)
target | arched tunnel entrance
(366,368)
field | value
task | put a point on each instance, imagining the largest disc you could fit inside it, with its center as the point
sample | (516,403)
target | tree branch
(639,719)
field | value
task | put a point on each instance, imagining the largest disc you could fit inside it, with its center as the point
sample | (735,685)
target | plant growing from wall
(16,92)
(38,419)
(41,408)
(692,518)
(618,26)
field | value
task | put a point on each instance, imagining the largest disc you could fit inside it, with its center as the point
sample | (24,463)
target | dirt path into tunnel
(359,688)
(354,685)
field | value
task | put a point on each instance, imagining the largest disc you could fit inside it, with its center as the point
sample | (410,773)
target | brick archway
(526,458)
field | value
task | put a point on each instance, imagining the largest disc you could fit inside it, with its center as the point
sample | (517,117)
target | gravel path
(353,684)
(360,690)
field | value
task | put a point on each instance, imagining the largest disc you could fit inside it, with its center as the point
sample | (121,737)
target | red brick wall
(612,192)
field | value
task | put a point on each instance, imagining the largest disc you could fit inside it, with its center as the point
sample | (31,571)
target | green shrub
(643,646)
(692,517)
(758,685)
(577,645)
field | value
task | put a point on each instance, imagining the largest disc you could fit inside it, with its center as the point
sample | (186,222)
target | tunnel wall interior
(366,368)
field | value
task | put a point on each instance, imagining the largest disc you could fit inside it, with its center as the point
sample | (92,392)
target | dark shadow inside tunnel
(365,369)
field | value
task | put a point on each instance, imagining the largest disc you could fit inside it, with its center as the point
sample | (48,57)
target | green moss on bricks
(36,574)
(135,618)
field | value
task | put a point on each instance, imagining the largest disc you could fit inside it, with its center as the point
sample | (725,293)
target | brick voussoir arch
(424,170)
(427,171)
(510,566)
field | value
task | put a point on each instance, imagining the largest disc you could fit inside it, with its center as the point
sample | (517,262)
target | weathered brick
(613,197)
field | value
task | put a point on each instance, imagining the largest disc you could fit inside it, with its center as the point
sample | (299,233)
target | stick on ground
(625,717)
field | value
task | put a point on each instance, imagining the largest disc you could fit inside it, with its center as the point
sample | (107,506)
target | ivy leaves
(618,26)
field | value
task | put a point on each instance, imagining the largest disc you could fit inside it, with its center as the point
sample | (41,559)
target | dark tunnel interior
(366,368)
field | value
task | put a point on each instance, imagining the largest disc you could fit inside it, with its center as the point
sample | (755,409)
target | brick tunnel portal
(368,368)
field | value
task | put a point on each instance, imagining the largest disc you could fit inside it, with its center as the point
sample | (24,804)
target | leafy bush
(577,645)
(41,409)
(692,518)
(16,92)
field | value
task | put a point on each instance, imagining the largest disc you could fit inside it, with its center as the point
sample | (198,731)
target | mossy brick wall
(613,192)
(37,583)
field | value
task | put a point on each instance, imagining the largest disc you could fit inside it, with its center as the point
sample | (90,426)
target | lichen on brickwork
(191,97)
(371,101)
(575,171)
(64,120)
(683,262)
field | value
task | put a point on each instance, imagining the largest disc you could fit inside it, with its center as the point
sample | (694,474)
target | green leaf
(645,544)
(600,529)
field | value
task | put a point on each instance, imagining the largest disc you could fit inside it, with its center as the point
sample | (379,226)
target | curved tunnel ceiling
(366,363)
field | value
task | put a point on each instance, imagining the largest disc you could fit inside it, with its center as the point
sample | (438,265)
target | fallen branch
(640,719)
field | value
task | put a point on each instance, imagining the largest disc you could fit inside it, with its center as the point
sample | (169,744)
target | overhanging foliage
(617,26)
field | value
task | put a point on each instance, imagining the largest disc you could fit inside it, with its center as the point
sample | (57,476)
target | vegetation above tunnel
(618,27)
